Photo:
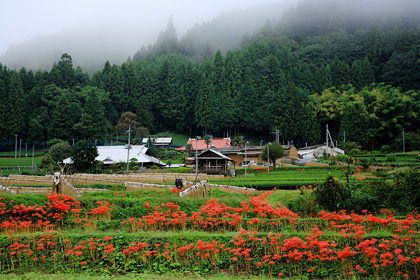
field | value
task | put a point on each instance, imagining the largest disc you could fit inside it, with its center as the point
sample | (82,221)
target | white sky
(22,20)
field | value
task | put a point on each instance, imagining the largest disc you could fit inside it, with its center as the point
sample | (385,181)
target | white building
(313,152)
(115,154)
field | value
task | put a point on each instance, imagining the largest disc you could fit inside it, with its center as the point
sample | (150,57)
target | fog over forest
(96,31)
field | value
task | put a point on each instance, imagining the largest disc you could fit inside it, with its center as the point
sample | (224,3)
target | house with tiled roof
(201,144)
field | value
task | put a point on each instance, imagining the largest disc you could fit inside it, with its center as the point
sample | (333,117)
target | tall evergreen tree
(16,109)
(167,41)
(4,98)
(66,72)
(203,107)
(60,128)
(287,118)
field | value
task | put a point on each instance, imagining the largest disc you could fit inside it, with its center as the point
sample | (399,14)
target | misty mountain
(225,32)
(314,17)
(91,46)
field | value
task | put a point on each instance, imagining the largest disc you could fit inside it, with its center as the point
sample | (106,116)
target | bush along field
(234,232)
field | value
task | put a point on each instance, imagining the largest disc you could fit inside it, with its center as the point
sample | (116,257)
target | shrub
(331,195)
(409,183)
(60,151)
(304,204)
(391,158)
(388,196)
(365,163)
(386,149)
(361,201)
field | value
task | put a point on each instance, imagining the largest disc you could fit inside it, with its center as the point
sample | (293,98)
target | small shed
(161,142)
(213,162)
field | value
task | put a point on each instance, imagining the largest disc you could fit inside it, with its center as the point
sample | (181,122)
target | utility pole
(16,147)
(33,156)
(246,164)
(326,134)
(403,142)
(20,148)
(128,147)
(344,137)
(277,135)
(196,157)
(268,157)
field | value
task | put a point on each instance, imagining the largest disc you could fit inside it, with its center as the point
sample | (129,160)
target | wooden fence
(133,182)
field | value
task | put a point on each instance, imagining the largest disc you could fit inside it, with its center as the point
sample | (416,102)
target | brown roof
(201,144)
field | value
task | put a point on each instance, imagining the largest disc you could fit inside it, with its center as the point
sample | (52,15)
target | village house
(253,154)
(201,144)
(116,154)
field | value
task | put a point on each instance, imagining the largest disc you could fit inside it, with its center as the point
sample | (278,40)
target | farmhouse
(115,154)
(237,154)
(253,153)
(213,162)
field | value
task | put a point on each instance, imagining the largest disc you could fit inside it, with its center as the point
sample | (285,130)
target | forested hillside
(357,72)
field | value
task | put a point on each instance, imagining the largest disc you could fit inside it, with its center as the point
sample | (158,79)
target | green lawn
(22,161)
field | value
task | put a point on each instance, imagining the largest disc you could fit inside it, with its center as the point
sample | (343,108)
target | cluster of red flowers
(248,251)
(176,190)
(213,216)
(22,218)
(342,244)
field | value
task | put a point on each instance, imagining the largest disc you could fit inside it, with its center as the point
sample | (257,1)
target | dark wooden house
(213,162)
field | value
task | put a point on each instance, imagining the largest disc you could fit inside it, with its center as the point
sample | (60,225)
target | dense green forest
(313,67)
